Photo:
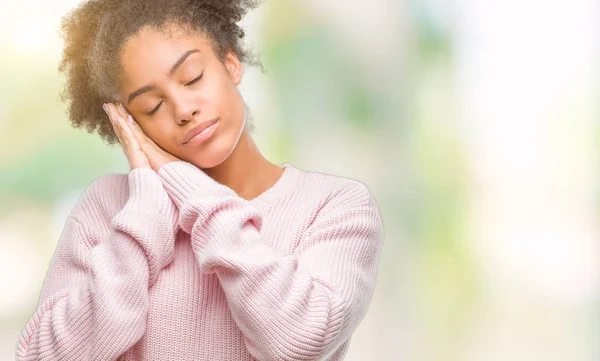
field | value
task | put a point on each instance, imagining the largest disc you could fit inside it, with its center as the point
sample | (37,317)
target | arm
(301,306)
(94,300)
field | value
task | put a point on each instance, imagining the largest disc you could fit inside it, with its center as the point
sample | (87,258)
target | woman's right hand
(135,155)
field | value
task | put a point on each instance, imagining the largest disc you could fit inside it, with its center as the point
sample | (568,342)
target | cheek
(222,90)
(161,135)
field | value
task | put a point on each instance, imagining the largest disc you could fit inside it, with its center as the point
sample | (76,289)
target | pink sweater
(176,266)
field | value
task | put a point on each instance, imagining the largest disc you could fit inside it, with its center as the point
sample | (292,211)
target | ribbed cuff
(182,179)
(146,193)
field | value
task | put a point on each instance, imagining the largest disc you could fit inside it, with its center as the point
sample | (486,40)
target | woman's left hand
(156,155)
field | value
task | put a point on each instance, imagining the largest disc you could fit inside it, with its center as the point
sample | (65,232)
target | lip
(198,129)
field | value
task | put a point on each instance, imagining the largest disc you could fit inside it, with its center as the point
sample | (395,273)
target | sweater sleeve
(299,306)
(94,299)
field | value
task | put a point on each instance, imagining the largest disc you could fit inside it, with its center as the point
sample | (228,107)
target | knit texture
(176,266)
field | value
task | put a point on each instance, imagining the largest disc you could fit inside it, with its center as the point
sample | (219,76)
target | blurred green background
(474,124)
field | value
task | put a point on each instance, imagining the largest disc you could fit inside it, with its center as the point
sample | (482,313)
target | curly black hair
(95,31)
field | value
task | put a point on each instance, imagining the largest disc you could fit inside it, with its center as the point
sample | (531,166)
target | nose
(185,109)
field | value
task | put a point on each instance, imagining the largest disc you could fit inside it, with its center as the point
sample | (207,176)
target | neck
(246,171)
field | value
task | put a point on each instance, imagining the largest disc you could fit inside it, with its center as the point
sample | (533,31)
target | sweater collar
(284,184)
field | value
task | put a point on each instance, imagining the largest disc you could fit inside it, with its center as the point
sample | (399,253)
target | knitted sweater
(176,266)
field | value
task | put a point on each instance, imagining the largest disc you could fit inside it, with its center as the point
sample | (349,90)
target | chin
(218,148)
(213,153)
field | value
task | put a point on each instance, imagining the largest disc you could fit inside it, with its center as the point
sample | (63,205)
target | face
(173,82)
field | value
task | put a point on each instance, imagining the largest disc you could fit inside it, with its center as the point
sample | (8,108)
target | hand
(141,151)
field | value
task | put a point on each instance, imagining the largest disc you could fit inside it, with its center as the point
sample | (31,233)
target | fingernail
(105,109)
(130,118)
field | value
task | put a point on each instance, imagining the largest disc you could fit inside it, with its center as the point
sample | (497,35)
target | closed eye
(195,79)
(154,110)
(189,83)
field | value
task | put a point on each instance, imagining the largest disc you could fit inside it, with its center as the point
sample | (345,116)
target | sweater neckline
(287,180)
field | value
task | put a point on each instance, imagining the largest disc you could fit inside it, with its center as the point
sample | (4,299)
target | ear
(234,67)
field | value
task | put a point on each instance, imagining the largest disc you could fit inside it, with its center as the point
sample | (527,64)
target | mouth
(202,132)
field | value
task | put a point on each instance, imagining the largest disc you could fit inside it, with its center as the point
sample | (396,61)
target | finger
(123,114)
(121,109)
(113,115)
(135,155)
(127,137)
(136,131)
(148,145)
(114,124)
(145,143)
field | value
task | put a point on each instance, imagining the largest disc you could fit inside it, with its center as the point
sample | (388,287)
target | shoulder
(91,214)
(335,191)
(339,206)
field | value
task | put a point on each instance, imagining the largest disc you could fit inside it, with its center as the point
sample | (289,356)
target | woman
(205,250)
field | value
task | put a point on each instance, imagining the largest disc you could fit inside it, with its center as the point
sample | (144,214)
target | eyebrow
(171,72)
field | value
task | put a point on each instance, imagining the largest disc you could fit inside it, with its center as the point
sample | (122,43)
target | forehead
(150,53)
